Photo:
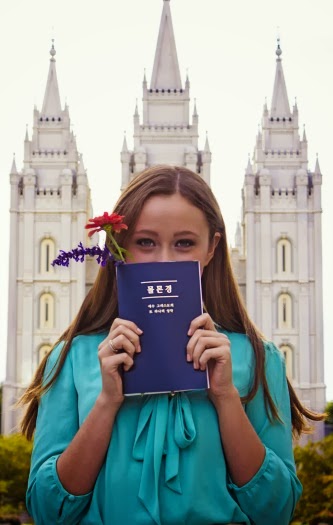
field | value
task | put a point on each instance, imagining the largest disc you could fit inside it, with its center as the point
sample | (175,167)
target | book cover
(162,298)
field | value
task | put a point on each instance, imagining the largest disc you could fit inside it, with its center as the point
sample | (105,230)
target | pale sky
(229,51)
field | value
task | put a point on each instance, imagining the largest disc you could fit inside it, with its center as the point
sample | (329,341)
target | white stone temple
(278,247)
(277,256)
(165,134)
(49,207)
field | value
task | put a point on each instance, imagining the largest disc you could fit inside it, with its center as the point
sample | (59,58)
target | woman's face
(170,228)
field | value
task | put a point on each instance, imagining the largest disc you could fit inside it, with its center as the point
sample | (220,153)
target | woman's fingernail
(188,357)
(139,331)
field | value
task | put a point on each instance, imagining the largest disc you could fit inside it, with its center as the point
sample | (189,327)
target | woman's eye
(184,243)
(145,243)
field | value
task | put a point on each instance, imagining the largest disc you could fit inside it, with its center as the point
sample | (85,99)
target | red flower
(98,223)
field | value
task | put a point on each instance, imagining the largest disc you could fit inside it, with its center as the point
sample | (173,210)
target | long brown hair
(220,291)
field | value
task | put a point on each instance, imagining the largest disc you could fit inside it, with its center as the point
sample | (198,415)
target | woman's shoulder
(242,357)
(88,340)
(274,358)
(81,344)
(240,344)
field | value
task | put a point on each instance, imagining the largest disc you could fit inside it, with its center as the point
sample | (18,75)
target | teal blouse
(165,463)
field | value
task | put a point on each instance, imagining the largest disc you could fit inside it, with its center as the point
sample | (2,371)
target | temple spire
(13,170)
(195,111)
(51,103)
(166,73)
(207,148)
(304,134)
(280,103)
(317,167)
(82,169)
(187,82)
(238,236)
(249,169)
(125,147)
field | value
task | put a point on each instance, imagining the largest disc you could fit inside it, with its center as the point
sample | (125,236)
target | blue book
(162,298)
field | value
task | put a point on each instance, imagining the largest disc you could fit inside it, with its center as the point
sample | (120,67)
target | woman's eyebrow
(186,232)
(146,232)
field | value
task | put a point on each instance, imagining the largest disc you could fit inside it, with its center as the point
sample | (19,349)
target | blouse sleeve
(57,423)
(271,495)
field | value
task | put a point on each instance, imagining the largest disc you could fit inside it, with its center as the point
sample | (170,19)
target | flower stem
(119,251)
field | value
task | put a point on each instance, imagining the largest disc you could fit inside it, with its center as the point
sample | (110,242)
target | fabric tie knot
(165,427)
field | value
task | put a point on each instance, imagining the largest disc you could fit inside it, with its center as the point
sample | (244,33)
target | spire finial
(81,170)
(13,169)
(52,51)
(136,111)
(278,51)
(207,148)
(187,83)
(124,148)
(249,170)
(265,105)
(317,167)
(304,134)
(238,236)
(195,112)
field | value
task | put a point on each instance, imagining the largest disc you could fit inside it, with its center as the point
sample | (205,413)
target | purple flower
(79,254)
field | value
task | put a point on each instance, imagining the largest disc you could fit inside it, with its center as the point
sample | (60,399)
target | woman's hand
(209,348)
(116,351)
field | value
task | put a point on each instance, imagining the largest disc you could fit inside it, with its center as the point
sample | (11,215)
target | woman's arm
(79,465)
(67,457)
(258,451)
(243,449)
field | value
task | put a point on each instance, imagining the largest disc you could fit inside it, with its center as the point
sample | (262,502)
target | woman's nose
(166,254)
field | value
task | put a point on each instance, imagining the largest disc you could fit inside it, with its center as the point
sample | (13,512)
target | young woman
(219,456)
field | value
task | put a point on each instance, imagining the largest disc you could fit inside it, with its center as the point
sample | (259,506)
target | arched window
(43,351)
(285,313)
(289,359)
(284,262)
(47,255)
(46,317)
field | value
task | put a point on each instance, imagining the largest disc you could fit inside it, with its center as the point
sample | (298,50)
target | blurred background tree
(329,412)
(15,452)
(315,470)
(0,406)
